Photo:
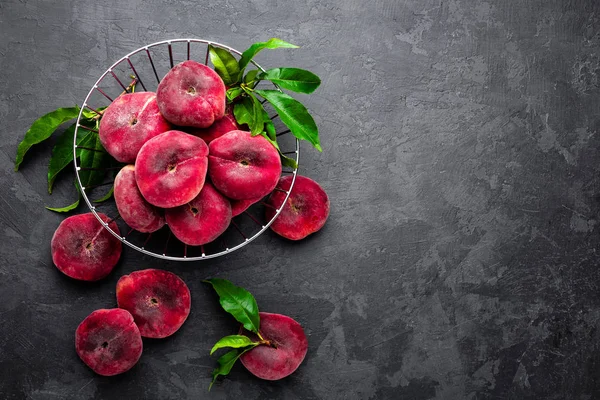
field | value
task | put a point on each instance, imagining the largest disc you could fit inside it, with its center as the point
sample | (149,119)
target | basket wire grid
(143,66)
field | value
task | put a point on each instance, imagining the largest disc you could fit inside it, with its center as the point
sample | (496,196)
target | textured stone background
(461,156)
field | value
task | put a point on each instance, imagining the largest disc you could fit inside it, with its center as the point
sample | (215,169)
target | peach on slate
(130,121)
(158,300)
(287,349)
(202,220)
(171,168)
(216,130)
(191,94)
(83,249)
(108,341)
(304,213)
(243,167)
(133,208)
(239,206)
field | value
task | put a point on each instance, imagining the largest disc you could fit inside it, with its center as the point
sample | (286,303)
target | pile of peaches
(190,166)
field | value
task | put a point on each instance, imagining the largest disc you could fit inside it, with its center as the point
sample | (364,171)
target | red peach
(216,130)
(202,220)
(133,208)
(83,249)
(191,94)
(130,121)
(171,168)
(108,341)
(286,352)
(239,206)
(304,213)
(242,166)
(158,300)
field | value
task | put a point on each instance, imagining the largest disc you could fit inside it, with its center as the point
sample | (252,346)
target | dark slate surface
(460,153)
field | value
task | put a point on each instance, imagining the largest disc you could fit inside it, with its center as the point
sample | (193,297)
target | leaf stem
(130,86)
(267,343)
(246,88)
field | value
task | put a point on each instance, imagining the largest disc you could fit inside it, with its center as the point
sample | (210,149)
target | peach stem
(129,87)
(136,74)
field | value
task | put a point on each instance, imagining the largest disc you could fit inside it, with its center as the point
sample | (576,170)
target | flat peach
(83,249)
(191,94)
(133,208)
(239,206)
(108,341)
(243,167)
(286,352)
(216,130)
(305,211)
(129,122)
(158,300)
(171,168)
(202,220)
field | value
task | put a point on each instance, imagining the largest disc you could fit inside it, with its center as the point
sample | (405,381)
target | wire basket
(146,66)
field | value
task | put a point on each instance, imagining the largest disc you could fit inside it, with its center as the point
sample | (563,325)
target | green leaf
(106,196)
(42,129)
(251,76)
(270,133)
(92,115)
(294,115)
(243,110)
(251,112)
(233,341)
(233,93)
(226,362)
(238,302)
(257,115)
(88,114)
(62,153)
(273,142)
(65,209)
(97,159)
(253,50)
(225,64)
(295,79)
(288,162)
(270,128)
(285,160)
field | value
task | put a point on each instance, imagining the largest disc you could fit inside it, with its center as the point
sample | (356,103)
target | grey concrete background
(461,157)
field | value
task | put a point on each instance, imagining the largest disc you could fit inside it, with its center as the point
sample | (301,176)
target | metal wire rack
(145,66)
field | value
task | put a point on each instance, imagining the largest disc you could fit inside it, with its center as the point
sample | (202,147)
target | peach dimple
(171,168)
